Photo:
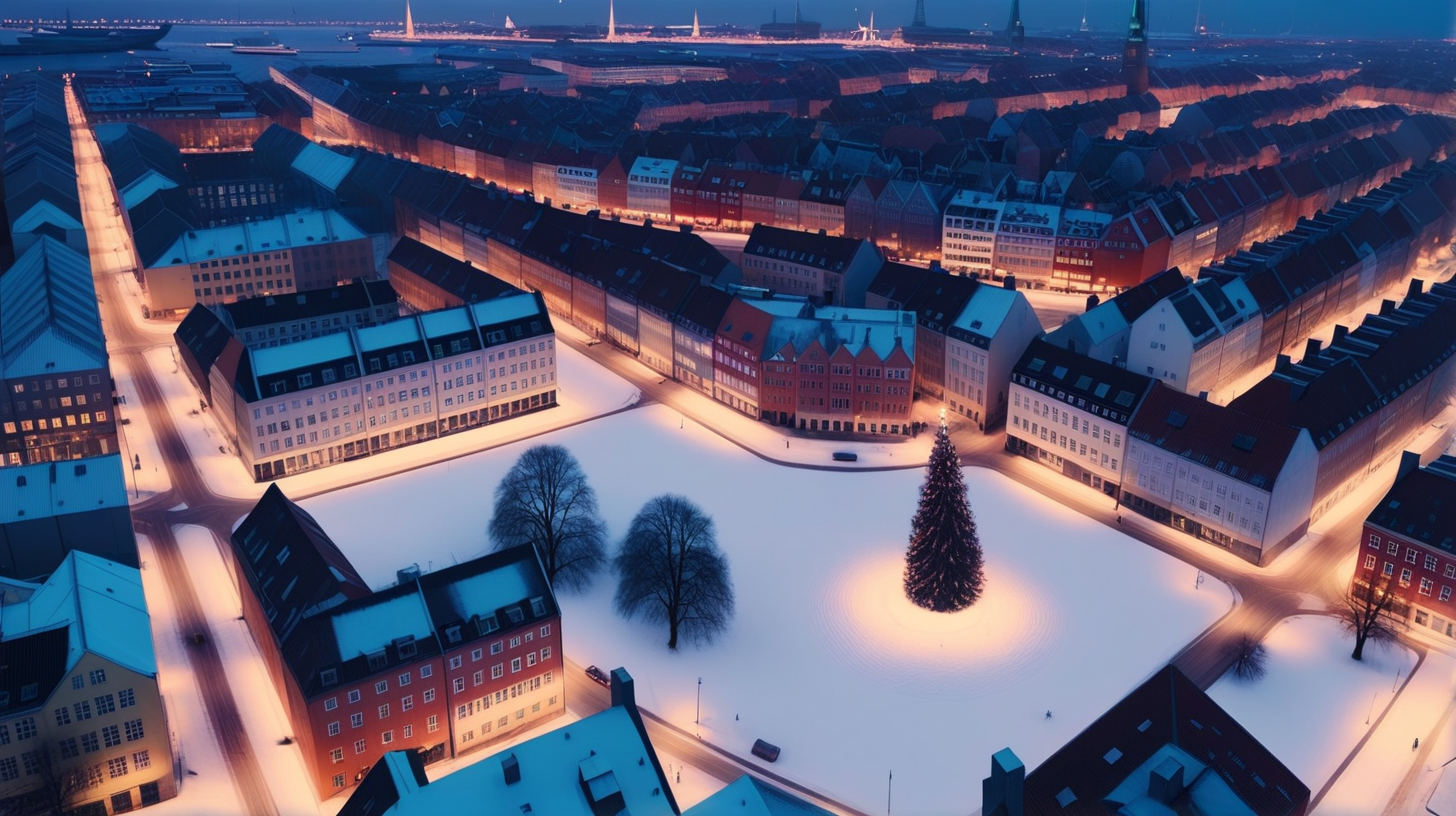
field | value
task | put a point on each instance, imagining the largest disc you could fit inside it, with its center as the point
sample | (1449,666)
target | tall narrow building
(1135,52)
(919,21)
(611,21)
(697,32)
(409,22)
(1015,31)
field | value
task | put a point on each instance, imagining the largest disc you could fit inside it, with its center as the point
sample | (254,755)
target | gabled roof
(309,303)
(1246,446)
(1116,391)
(829,252)
(1110,758)
(1421,505)
(49,320)
(746,796)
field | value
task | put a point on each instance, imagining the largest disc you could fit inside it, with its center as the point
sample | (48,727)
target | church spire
(1135,52)
(919,21)
(697,32)
(611,20)
(798,17)
(409,22)
(1015,31)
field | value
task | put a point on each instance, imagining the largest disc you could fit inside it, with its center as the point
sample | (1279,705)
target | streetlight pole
(699,713)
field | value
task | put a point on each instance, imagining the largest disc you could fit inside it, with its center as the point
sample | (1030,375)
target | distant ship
(261,45)
(73,40)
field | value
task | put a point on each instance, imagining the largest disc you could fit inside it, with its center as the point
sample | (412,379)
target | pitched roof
(1246,446)
(830,252)
(1115,391)
(329,300)
(1113,757)
(1421,505)
(49,320)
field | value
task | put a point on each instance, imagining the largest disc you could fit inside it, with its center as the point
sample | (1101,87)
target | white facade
(1064,431)
(1026,238)
(1162,344)
(649,187)
(968,232)
(982,347)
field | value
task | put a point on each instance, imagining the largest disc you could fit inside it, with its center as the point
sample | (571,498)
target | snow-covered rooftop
(303,353)
(388,335)
(504,309)
(658,171)
(746,796)
(304,228)
(100,601)
(49,321)
(446,322)
(370,626)
(987,309)
(323,165)
(29,492)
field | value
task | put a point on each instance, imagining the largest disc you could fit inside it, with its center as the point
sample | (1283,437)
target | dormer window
(452,634)
(378,661)
(29,691)
(538,606)
(406,647)
(329,677)
(488,624)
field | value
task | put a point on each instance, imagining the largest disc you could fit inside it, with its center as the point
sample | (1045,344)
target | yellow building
(81,718)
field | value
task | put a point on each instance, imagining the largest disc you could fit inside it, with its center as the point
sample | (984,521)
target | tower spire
(798,17)
(611,21)
(409,22)
(1085,27)
(1015,31)
(919,21)
(1135,52)
(697,32)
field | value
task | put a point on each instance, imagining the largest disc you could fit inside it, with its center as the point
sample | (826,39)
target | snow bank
(1311,708)
(825,658)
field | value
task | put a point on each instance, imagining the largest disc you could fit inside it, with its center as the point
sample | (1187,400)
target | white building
(1221,475)
(649,187)
(968,231)
(1072,414)
(1026,239)
(982,346)
(329,399)
(1187,339)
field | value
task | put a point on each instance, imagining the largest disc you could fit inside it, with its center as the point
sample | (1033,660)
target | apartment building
(276,320)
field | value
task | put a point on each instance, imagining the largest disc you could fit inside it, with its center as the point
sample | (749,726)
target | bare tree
(1365,613)
(671,571)
(545,501)
(1249,656)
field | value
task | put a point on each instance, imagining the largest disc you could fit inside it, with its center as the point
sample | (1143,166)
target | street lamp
(699,713)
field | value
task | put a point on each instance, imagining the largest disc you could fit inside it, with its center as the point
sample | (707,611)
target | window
(455,662)
(1410,555)
(111,735)
(530,658)
(1388,569)
(497,671)
(404,679)
(126,698)
(105,704)
(546,630)
(381,687)
(359,746)
(25,728)
(1445,593)
(116,767)
(427,670)
(409,731)
(1374,540)
(459,685)
(1369,562)
(545,653)
(433,724)
(9,769)
(515,641)
(142,759)
(1392,548)
(78,682)
(89,743)
(515,664)
(407,702)
(475,655)
(387,737)
(354,695)
(1426,586)
(338,780)
(478,678)
(356,720)
(429,695)
(331,704)
(496,648)
(63,716)
(69,749)
(98,676)
(384,711)
(1450,571)
(336,755)
(1430,563)
(334,728)
(134,730)
(1405,577)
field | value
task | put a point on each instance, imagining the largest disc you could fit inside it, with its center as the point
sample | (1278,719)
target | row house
(1078,233)
(80,701)
(226,264)
(40,194)
(822,201)
(1408,545)
(968,232)
(1369,392)
(649,188)
(439,664)
(427,279)
(55,376)
(343,396)
(274,321)
(54,508)
(1237,479)
(826,269)
(1198,339)
(1026,240)
(1072,414)
(1104,330)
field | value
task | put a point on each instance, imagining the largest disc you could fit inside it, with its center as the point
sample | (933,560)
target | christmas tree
(943,565)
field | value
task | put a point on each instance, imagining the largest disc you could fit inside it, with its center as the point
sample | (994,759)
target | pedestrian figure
(735,718)
(1119,519)
(1049,714)
(679,777)
(1416,744)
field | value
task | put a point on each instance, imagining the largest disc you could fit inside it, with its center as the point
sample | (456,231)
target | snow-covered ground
(587,391)
(1311,709)
(207,787)
(257,699)
(825,657)
(1377,772)
(137,440)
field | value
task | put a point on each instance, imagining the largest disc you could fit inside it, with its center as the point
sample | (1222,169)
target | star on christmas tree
(943,567)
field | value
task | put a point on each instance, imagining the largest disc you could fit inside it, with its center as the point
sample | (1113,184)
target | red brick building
(440,663)
(1408,545)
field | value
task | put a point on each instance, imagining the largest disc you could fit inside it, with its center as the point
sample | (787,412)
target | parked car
(765,751)
(846,456)
(598,675)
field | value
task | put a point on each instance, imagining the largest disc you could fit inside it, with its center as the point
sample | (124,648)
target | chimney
(1001,791)
(1281,362)
(1387,306)
(1311,348)
(1009,282)
(1203,395)
(1340,332)
(822,231)
(1409,461)
(623,693)
(511,767)
(1166,781)
(1092,302)
(1417,286)
(936,267)
(687,228)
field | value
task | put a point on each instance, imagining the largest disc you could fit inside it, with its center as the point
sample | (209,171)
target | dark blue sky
(1425,18)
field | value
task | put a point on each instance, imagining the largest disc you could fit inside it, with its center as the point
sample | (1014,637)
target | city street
(1266,596)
